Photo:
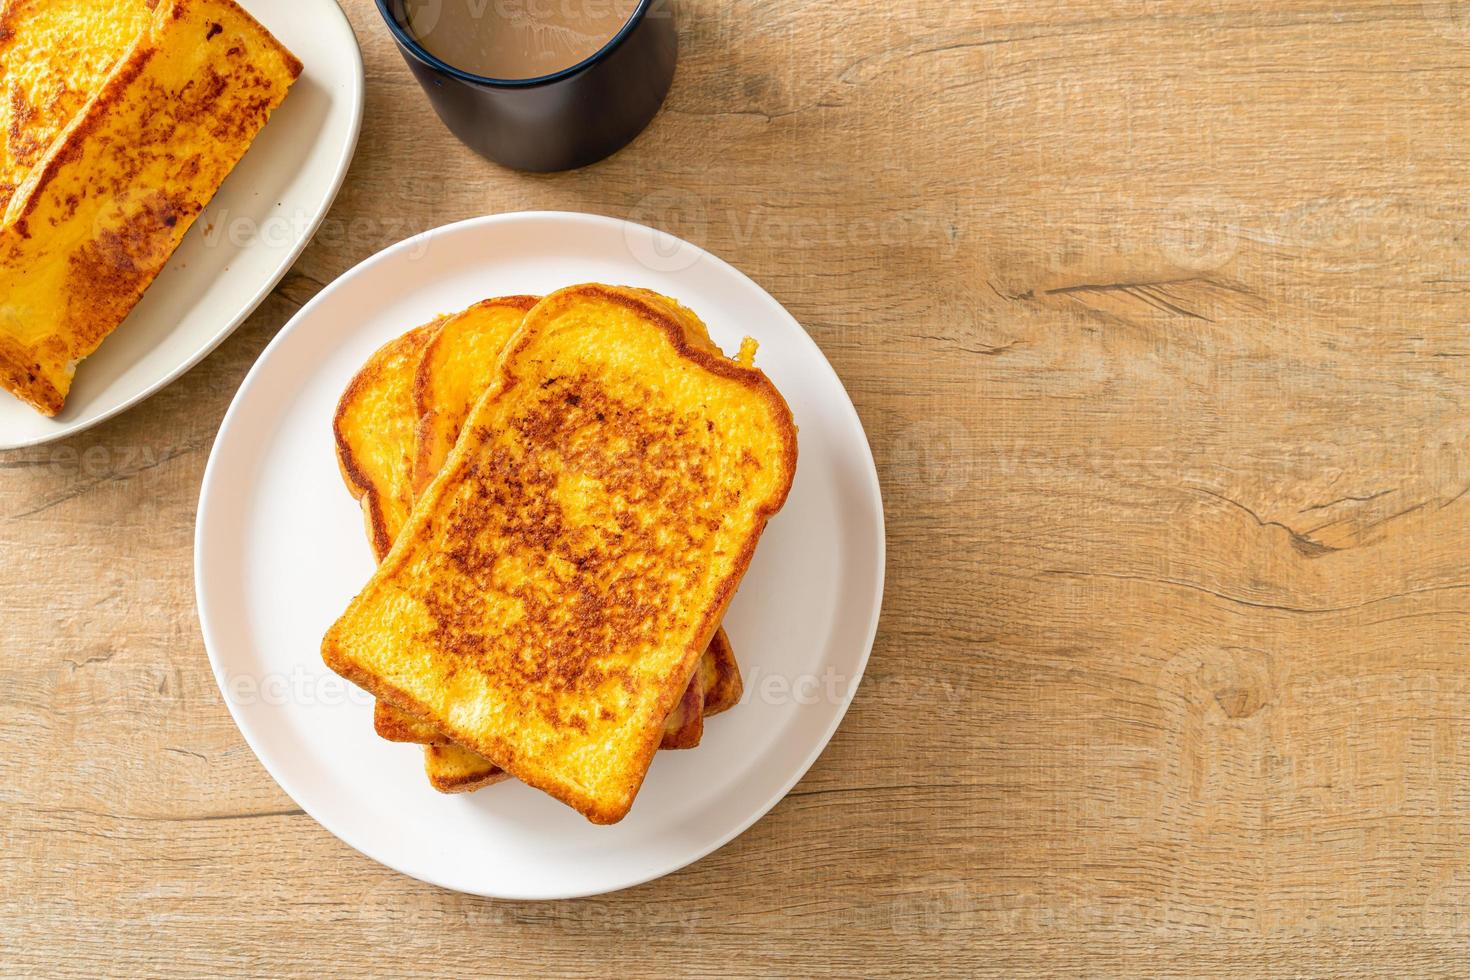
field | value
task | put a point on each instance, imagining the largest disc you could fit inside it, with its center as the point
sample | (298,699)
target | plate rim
(872,493)
(288,260)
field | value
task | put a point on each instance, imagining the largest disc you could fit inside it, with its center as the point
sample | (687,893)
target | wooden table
(1158,316)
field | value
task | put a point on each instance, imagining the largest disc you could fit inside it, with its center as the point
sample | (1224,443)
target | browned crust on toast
(23,378)
(687,718)
(423,402)
(393,725)
(495,747)
(363,489)
(465,782)
(725,687)
(426,429)
(69,143)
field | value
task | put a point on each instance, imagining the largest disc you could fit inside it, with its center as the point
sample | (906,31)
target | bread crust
(351,445)
(437,428)
(724,687)
(452,769)
(396,725)
(21,374)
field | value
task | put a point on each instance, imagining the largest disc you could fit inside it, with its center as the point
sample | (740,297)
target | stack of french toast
(119,120)
(562,494)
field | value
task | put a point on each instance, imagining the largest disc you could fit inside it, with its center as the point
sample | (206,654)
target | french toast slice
(437,370)
(553,589)
(54,56)
(99,214)
(452,374)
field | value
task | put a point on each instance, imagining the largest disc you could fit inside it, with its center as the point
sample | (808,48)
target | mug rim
(411,44)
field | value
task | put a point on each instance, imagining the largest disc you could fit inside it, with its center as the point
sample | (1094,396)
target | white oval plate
(244,241)
(279,551)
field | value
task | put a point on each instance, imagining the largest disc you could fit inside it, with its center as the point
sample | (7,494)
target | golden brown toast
(456,366)
(436,371)
(554,588)
(452,374)
(96,218)
(374,429)
(720,676)
(455,356)
(717,682)
(54,56)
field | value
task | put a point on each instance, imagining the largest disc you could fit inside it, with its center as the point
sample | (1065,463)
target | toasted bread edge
(396,725)
(432,439)
(363,490)
(727,687)
(23,377)
(687,716)
(445,772)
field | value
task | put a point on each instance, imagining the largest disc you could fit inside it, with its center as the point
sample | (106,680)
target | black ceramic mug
(567,119)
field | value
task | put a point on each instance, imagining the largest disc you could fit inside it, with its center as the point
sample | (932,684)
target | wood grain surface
(1158,317)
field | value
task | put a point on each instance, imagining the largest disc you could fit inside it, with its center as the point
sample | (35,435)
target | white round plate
(279,551)
(244,241)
